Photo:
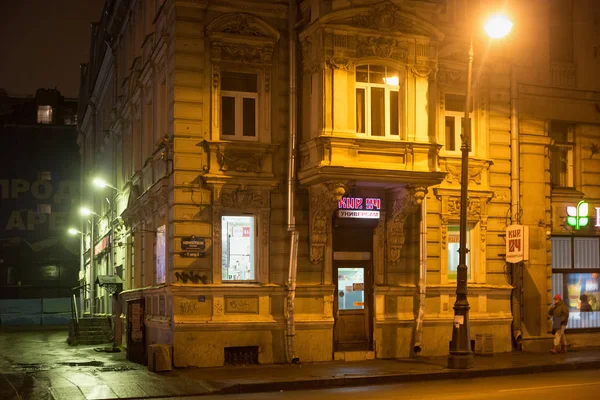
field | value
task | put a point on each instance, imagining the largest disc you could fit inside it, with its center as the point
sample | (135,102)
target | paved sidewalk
(40,365)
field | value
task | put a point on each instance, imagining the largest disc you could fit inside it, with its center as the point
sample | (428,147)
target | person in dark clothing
(560,316)
(585,305)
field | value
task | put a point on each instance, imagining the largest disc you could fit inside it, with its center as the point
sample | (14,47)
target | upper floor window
(454,115)
(377,101)
(44,115)
(239,98)
(561,154)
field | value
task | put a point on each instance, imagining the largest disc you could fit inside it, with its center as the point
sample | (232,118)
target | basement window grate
(245,355)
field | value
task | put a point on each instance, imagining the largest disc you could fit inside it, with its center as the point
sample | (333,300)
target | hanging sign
(517,243)
(359,207)
(192,243)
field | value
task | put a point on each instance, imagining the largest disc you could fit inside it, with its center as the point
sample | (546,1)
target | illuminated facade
(186,111)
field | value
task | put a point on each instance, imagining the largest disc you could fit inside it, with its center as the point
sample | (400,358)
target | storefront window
(237,248)
(579,289)
(453,246)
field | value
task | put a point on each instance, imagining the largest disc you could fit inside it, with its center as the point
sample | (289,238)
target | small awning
(108,280)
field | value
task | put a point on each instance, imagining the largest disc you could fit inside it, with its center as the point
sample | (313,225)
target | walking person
(560,316)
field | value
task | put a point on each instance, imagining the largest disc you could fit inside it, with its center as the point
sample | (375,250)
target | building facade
(39,183)
(287,179)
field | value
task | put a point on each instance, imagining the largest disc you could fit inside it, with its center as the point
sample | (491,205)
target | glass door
(352,309)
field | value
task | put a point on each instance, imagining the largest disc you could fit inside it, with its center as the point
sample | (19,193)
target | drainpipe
(422,276)
(517,268)
(291,219)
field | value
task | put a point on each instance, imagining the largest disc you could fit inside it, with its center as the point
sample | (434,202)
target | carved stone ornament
(238,161)
(381,47)
(402,204)
(241,53)
(241,27)
(216,220)
(454,174)
(450,76)
(444,231)
(384,17)
(242,198)
(339,63)
(483,230)
(473,207)
(422,70)
(216,75)
(324,198)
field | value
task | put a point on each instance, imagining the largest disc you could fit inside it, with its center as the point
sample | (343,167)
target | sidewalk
(36,363)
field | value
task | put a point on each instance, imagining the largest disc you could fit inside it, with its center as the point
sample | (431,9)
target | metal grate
(247,355)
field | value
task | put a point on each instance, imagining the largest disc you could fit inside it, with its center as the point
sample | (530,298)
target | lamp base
(460,361)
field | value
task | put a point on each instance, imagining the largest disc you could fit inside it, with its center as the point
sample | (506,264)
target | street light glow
(498,26)
(100,183)
(85,211)
(73,231)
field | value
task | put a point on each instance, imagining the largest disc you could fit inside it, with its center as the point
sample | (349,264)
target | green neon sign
(578,216)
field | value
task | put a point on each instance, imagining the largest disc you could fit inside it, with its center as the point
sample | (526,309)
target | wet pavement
(40,365)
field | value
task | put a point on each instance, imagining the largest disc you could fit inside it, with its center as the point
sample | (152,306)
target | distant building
(39,180)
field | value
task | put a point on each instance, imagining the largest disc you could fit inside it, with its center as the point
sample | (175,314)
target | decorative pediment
(477,170)
(241,26)
(384,17)
(242,198)
(382,47)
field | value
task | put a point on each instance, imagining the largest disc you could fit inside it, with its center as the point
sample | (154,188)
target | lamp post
(85,212)
(461,355)
(73,232)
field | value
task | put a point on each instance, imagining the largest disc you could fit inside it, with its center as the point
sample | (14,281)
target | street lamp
(86,212)
(72,231)
(461,355)
(101,183)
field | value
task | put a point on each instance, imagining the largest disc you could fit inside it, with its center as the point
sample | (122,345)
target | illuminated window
(453,246)
(576,277)
(377,101)
(239,98)
(561,154)
(238,250)
(161,272)
(454,115)
(44,115)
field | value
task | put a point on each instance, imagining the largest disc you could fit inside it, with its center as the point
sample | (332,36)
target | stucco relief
(339,63)
(242,198)
(402,203)
(240,26)
(473,207)
(323,200)
(454,173)
(239,161)
(385,17)
(381,47)
(451,77)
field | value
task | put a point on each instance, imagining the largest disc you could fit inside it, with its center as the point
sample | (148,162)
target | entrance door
(352,304)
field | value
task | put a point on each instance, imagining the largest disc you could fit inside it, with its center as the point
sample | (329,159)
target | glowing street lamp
(461,355)
(101,184)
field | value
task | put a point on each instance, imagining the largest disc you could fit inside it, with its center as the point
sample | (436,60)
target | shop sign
(517,243)
(192,254)
(192,243)
(101,245)
(359,207)
(577,216)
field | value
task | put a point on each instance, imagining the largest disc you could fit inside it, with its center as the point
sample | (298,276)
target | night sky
(42,43)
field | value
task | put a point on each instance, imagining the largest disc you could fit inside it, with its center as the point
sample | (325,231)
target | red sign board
(101,245)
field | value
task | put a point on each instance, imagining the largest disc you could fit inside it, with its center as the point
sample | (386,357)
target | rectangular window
(161,271)
(454,113)
(239,98)
(238,251)
(575,276)
(377,101)
(44,115)
(453,247)
(561,154)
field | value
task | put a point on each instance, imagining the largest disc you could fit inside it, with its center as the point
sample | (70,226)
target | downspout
(517,268)
(422,276)
(291,219)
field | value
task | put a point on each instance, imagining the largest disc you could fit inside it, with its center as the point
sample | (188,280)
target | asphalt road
(547,386)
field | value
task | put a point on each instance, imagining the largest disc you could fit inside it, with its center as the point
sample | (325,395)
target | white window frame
(239,111)
(458,117)
(388,89)
(252,256)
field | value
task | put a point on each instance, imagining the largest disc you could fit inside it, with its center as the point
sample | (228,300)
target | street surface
(571,385)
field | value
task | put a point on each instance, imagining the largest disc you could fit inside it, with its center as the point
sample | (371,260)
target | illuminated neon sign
(358,207)
(577,216)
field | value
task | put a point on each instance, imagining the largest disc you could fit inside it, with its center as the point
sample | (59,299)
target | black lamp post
(461,354)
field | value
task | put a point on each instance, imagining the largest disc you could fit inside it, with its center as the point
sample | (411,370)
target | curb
(355,381)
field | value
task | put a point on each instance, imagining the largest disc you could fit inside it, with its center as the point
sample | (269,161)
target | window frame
(367,109)
(225,249)
(458,117)
(45,114)
(239,98)
(558,180)
(470,254)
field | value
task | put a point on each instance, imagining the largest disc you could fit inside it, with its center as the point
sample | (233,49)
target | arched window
(377,101)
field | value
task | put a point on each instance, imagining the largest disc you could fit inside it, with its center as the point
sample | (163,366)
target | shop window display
(238,248)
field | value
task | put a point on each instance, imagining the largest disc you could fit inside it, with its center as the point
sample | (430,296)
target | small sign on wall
(517,243)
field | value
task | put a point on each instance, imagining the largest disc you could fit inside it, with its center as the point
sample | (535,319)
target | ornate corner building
(189,108)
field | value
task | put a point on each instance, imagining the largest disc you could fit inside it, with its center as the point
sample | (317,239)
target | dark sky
(42,43)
